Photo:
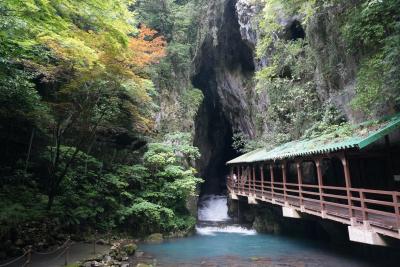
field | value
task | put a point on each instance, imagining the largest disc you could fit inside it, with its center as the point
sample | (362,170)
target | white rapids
(212,230)
(214,209)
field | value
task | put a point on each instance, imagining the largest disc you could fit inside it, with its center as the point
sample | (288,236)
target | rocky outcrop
(335,68)
(247,11)
(224,66)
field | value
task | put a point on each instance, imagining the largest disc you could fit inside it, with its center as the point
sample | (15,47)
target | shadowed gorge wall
(223,68)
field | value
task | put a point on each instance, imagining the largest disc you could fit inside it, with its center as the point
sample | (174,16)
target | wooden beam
(318,162)
(347,179)
(271,169)
(254,180)
(284,178)
(249,178)
(300,181)
(262,179)
(242,180)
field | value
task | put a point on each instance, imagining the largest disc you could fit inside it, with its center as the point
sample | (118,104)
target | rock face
(246,11)
(223,69)
(336,70)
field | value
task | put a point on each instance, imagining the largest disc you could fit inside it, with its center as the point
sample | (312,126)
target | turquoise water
(245,249)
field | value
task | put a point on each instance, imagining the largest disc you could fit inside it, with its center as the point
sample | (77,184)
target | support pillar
(366,235)
(284,178)
(254,180)
(320,187)
(242,180)
(347,179)
(271,169)
(262,181)
(300,182)
(248,180)
(290,212)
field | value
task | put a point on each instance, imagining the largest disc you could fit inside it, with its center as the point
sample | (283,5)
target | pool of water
(217,242)
(236,246)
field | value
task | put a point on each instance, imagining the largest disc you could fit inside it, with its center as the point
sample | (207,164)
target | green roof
(358,137)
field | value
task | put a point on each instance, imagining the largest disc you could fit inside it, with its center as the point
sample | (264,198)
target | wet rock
(107,258)
(130,248)
(97,264)
(157,237)
(139,254)
(93,258)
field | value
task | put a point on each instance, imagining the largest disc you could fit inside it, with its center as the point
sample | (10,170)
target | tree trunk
(50,200)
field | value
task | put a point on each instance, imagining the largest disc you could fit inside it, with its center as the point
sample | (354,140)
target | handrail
(358,202)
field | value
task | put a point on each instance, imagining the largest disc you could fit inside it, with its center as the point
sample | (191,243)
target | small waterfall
(213,217)
(213,209)
(232,229)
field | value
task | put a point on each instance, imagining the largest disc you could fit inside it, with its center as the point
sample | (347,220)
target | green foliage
(373,29)
(288,81)
(76,99)
(164,188)
(179,22)
(294,109)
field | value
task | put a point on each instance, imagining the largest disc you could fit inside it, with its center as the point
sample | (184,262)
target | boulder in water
(154,238)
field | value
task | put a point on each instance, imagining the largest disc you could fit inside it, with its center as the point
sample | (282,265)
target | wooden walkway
(377,209)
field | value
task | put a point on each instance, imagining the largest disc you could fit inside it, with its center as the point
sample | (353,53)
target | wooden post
(237,178)
(254,180)
(396,203)
(271,169)
(300,181)
(320,184)
(363,206)
(347,179)
(243,181)
(262,180)
(284,180)
(249,178)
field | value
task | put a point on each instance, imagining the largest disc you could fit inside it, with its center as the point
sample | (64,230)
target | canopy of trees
(77,108)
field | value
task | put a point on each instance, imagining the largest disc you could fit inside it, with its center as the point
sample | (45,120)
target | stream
(219,242)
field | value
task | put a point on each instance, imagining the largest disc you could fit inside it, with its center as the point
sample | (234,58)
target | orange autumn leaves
(148,48)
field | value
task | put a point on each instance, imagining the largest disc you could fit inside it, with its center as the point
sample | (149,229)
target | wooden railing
(377,208)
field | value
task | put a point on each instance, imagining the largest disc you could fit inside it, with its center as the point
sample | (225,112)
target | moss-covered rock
(130,248)
(157,237)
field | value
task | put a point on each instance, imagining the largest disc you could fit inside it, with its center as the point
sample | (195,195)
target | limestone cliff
(224,67)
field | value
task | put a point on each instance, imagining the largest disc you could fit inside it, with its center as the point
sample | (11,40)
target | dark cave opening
(295,31)
(214,123)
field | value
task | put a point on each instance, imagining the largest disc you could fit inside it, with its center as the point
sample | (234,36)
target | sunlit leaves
(147,47)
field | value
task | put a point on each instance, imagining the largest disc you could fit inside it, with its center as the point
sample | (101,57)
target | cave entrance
(222,69)
(213,136)
(215,142)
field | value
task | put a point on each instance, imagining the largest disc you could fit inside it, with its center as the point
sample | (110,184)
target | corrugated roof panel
(363,135)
